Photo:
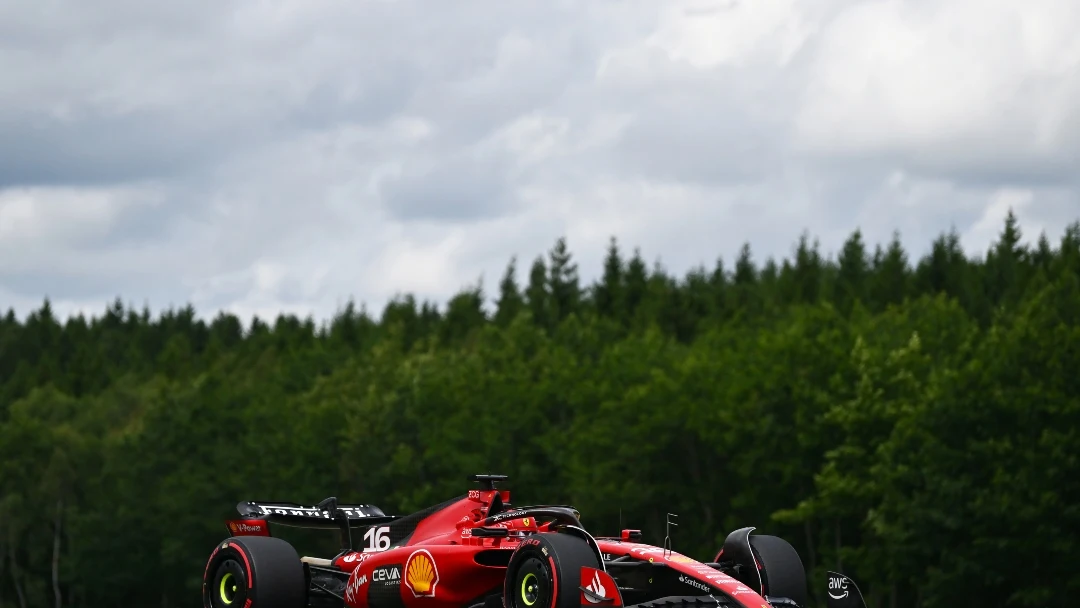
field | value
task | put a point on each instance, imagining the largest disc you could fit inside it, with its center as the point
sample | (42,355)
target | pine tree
(1043,256)
(719,284)
(1006,263)
(891,279)
(745,283)
(464,314)
(563,286)
(537,296)
(510,302)
(608,293)
(636,286)
(808,270)
(853,272)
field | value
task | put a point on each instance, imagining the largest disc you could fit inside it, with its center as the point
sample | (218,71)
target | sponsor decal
(838,588)
(377,539)
(526,522)
(694,583)
(249,527)
(387,576)
(531,541)
(421,574)
(680,559)
(595,591)
(355,557)
(383,589)
(740,589)
(353,512)
(508,515)
(474,494)
(355,582)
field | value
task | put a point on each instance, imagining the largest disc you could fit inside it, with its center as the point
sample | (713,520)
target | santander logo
(596,588)
(355,557)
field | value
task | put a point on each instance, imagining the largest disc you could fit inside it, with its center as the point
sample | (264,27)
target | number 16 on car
(377,539)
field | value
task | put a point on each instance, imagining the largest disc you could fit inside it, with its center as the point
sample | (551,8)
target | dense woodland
(912,421)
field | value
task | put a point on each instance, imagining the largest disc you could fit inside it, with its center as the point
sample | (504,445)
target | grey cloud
(720,125)
(376,96)
(108,150)
(133,93)
(996,165)
(101,286)
(980,164)
(454,189)
(264,129)
(988,100)
(716,144)
(123,93)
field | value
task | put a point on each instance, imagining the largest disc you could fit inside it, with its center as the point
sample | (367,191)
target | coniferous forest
(911,420)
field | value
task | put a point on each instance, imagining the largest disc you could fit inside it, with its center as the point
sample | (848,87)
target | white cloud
(39,226)
(267,157)
(961,86)
(709,33)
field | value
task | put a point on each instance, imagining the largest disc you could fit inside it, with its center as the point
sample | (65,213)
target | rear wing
(327,515)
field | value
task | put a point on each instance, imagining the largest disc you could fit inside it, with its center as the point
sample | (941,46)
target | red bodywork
(443,565)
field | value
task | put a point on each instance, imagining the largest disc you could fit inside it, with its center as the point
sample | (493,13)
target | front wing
(599,590)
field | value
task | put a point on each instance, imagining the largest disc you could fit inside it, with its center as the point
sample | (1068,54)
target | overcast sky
(266,156)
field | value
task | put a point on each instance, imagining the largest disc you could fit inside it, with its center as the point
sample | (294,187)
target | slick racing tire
(769,564)
(545,572)
(783,573)
(263,570)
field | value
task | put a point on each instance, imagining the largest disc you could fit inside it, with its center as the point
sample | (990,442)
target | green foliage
(914,424)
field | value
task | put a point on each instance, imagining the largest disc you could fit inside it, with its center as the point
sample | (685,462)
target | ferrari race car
(477,551)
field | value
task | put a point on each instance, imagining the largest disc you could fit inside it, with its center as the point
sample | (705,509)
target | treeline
(914,423)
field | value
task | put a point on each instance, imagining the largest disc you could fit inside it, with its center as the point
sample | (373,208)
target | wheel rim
(533,589)
(230,589)
(530,589)
(227,589)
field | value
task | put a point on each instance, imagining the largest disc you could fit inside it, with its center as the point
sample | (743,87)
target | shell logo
(421,575)
(232,526)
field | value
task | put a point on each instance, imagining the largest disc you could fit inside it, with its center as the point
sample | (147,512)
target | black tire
(545,572)
(782,570)
(262,569)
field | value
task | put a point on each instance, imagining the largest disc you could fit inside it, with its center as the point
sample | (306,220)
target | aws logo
(421,575)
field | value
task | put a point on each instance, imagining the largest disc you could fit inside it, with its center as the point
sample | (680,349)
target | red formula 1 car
(476,551)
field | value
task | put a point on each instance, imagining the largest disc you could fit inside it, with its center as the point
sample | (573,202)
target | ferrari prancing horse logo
(421,575)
